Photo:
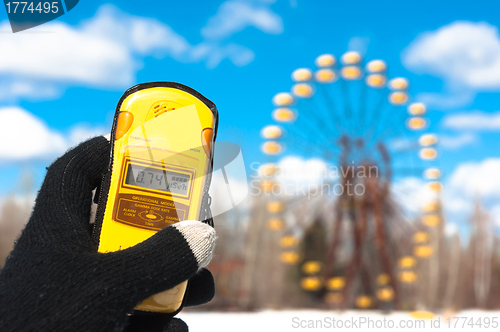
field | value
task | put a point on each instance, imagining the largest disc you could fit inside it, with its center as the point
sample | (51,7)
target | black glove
(54,279)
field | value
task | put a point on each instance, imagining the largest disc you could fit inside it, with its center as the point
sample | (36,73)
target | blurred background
(369,132)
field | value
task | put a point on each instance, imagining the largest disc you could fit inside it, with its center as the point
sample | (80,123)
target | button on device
(207,136)
(125,120)
(151,216)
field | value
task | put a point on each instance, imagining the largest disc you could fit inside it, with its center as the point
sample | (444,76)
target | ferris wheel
(363,124)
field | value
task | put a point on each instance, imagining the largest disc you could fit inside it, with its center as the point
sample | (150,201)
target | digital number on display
(157,179)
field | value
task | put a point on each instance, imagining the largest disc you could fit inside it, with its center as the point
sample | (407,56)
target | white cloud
(466,55)
(226,196)
(298,176)
(477,179)
(68,55)
(473,182)
(106,50)
(450,229)
(24,137)
(451,99)
(477,120)
(298,170)
(13,89)
(234,16)
(457,204)
(239,55)
(140,35)
(448,142)
(461,52)
(495,215)
(412,193)
(468,183)
(455,142)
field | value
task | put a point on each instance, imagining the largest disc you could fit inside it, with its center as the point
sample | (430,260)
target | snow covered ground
(315,320)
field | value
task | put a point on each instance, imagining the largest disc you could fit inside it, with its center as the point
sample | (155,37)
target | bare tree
(14,215)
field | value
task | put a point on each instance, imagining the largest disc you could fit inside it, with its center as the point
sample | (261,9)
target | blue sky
(69,74)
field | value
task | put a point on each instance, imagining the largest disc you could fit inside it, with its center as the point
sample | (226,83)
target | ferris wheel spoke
(320,125)
(381,95)
(381,133)
(401,233)
(332,109)
(317,147)
(372,129)
(363,99)
(410,149)
(394,126)
(410,196)
(346,101)
(326,124)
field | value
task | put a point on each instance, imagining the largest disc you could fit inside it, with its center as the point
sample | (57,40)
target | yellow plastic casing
(163,128)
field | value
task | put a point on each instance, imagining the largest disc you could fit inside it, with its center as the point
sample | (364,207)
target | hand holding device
(54,279)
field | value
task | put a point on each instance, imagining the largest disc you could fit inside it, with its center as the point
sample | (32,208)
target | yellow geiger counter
(161,161)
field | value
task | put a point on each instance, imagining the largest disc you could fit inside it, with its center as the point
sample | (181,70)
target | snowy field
(314,320)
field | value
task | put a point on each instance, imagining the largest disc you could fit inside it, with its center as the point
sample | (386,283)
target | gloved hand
(54,279)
